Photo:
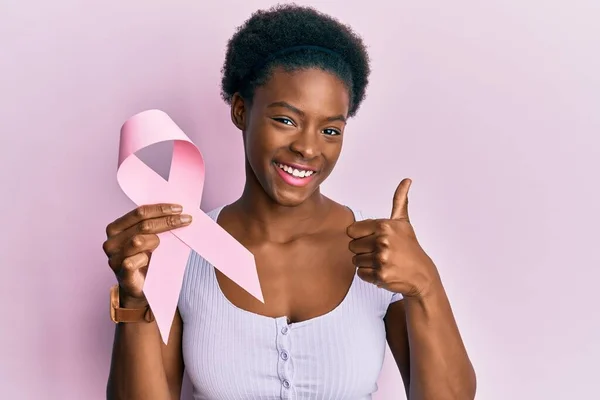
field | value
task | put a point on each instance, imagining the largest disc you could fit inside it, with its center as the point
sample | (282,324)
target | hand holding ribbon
(184,187)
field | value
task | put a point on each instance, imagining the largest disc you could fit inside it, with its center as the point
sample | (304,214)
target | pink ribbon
(184,186)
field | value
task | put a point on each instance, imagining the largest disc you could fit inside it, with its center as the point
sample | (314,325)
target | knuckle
(381,257)
(105,247)
(141,212)
(110,230)
(383,275)
(382,225)
(145,226)
(141,260)
(137,241)
(382,241)
(128,264)
(172,221)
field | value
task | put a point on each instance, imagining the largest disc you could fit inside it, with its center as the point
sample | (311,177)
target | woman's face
(293,132)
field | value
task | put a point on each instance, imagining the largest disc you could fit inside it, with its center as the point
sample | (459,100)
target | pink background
(491,107)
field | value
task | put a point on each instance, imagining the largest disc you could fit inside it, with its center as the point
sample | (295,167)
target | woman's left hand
(388,254)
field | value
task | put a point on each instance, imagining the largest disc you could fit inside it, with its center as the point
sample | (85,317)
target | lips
(294,174)
(296,170)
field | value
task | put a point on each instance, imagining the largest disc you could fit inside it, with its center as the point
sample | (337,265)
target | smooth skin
(306,248)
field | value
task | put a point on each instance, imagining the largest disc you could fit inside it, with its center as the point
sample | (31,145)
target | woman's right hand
(132,238)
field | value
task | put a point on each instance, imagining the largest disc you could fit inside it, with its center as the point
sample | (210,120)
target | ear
(239,112)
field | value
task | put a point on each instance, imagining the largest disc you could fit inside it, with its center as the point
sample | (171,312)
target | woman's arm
(420,328)
(143,367)
(427,346)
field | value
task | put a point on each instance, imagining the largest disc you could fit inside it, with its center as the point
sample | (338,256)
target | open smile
(294,175)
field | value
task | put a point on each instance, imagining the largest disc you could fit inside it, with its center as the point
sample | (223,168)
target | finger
(153,226)
(141,213)
(136,244)
(367,260)
(141,232)
(115,244)
(365,244)
(129,264)
(400,202)
(116,261)
(141,243)
(369,275)
(135,262)
(362,228)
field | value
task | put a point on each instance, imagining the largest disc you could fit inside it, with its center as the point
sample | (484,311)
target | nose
(306,144)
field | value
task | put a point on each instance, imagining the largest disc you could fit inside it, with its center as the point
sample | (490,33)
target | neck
(264,219)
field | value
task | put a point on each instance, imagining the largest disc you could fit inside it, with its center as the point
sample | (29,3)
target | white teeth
(298,173)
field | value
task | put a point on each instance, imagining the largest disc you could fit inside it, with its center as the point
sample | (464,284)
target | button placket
(284,360)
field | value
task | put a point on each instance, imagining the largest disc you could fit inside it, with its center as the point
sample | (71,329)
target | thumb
(400,203)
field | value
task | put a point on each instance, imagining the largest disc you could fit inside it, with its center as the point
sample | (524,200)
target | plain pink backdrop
(491,107)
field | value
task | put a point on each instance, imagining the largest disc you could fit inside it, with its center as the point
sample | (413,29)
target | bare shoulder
(339,216)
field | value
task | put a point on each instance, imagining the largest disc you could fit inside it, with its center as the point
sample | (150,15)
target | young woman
(337,286)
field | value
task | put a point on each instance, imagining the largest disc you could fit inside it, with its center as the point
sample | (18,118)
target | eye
(331,132)
(284,120)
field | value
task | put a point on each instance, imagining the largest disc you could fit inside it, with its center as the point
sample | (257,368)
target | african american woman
(337,286)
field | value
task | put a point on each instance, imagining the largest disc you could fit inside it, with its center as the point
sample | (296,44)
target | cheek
(259,143)
(332,153)
(253,150)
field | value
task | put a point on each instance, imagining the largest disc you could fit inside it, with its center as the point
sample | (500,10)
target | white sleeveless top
(231,353)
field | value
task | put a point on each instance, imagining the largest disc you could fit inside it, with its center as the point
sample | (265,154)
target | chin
(290,197)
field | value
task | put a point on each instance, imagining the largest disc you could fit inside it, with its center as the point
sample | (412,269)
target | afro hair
(260,45)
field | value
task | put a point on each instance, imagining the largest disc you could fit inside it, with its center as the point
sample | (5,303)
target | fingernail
(186,218)
(176,208)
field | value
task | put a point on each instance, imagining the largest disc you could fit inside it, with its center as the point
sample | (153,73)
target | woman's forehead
(305,88)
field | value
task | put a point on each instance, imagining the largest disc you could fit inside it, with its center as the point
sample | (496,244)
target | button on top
(284,330)
(286,384)
(284,355)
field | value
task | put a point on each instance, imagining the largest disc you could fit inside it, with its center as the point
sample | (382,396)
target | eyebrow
(301,113)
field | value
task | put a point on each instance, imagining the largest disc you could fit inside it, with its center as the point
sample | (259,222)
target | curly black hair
(317,40)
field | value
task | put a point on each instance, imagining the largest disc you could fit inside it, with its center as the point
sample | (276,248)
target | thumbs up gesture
(387,253)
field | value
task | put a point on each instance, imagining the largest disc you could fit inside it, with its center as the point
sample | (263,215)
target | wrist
(426,293)
(126,308)
(429,287)
(126,301)
(428,301)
